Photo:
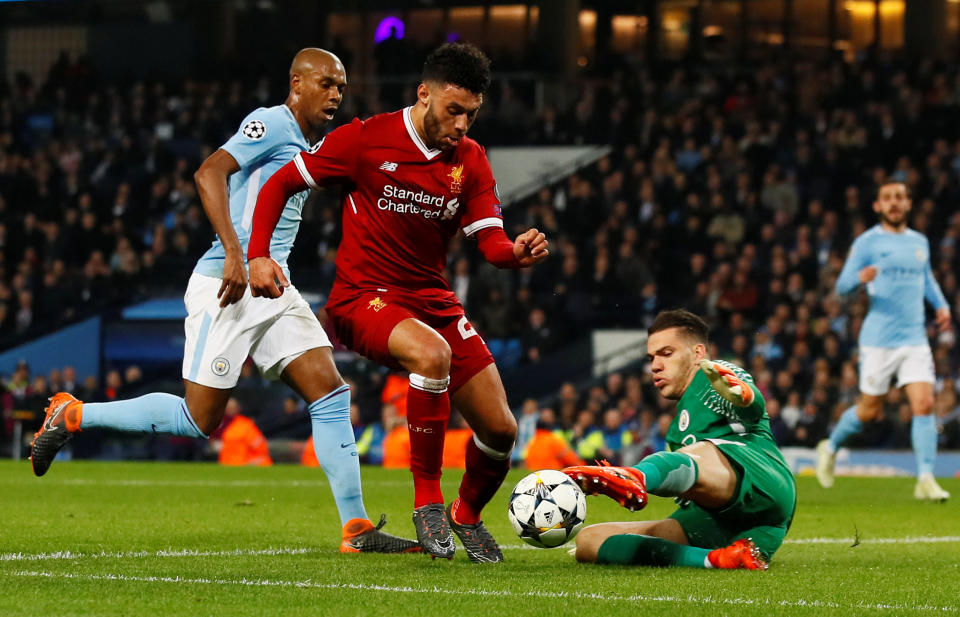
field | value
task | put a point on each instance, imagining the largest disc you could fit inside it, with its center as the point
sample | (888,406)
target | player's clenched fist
(727,384)
(266,278)
(868,274)
(530,248)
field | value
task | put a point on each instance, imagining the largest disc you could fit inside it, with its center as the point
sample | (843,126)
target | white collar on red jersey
(415,136)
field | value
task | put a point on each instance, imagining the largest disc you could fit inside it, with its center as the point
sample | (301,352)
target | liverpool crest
(456,179)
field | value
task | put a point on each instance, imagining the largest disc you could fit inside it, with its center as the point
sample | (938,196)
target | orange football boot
(625,485)
(741,554)
(62,421)
(360,536)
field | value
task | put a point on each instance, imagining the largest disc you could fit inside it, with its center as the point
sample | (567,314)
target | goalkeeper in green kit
(736,493)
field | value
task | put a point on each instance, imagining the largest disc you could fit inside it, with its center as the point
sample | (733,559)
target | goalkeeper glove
(727,384)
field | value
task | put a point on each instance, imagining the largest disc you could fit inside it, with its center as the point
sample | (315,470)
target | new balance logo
(388,166)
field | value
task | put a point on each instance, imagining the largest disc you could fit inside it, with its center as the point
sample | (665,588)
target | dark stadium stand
(734,192)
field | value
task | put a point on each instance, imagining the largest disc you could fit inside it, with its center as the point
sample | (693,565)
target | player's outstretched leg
(625,485)
(360,536)
(667,474)
(641,550)
(157,412)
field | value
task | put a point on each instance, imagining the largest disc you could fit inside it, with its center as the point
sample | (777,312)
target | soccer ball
(547,509)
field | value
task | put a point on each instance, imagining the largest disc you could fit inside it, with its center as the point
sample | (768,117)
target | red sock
(483,477)
(427,417)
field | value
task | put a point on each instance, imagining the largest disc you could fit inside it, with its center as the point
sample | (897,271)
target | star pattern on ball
(547,509)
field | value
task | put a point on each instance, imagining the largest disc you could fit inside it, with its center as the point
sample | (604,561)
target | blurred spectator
(37,394)
(396,443)
(309,456)
(18,386)
(526,428)
(658,438)
(607,441)
(395,393)
(455,443)
(538,337)
(112,386)
(69,383)
(291,422)
(241,441)
(779,428)
(547,449)
(369,437)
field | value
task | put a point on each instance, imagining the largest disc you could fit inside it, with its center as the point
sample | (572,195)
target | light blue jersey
(268,138)
(904,278)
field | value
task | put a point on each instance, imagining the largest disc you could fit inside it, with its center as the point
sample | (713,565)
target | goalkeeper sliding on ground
(736,493)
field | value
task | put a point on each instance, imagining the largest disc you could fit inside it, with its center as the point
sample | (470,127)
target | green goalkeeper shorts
(761,509)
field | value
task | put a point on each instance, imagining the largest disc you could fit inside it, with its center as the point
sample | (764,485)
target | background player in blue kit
(225,323)
(894,264)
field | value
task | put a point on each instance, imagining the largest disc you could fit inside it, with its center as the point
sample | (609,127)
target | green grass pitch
(197,539)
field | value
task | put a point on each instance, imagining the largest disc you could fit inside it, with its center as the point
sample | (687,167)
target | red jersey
(403,204)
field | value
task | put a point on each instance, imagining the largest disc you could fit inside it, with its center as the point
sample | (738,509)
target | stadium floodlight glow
(388,25)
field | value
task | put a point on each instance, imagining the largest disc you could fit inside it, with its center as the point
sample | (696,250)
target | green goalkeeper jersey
(703,414)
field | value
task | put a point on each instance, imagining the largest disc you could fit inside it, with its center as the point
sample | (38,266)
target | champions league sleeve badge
(255,129)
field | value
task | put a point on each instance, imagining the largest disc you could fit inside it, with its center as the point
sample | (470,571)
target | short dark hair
(460,64)
(906,187)
(692,325)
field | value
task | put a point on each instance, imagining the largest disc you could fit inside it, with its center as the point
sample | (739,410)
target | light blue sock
(923,438)
(157,412)
(847,426)
(336,450)
(668,474)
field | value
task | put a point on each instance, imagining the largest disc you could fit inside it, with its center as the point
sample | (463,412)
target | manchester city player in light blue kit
(225,323)
(894,264)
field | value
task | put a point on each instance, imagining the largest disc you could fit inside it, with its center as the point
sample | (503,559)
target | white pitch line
(562,595)
(207,483)
(905,540)
(161,553)
(238,552)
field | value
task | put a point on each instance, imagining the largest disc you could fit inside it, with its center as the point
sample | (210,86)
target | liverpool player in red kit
(412,180)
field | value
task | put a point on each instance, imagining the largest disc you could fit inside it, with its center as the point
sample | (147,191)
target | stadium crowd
(732,192)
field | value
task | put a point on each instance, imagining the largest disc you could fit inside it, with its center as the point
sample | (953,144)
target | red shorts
(363,322)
